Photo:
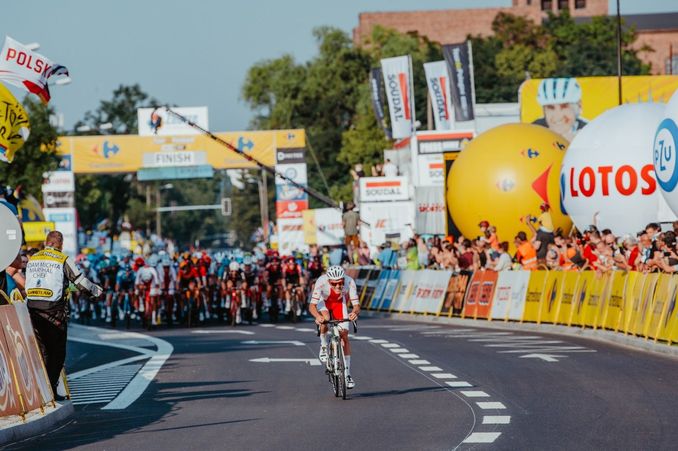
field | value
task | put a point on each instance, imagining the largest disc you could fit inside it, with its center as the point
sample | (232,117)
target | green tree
(37,155)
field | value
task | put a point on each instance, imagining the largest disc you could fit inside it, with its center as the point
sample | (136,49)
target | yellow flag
(14,125)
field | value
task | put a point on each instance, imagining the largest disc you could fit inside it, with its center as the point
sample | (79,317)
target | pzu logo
(664,155)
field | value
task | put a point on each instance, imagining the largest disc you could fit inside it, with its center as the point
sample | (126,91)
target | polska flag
(439,89)
(27,69)
(399,92)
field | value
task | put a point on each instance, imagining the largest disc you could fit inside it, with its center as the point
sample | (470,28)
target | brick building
(659,31)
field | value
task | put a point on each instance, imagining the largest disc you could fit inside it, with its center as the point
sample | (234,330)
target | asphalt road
(419,387)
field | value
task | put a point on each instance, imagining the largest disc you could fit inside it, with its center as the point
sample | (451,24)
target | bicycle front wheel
(341,371)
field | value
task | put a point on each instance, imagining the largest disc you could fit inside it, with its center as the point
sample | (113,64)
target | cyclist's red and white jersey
(167,280)
(147,276)
(327,299)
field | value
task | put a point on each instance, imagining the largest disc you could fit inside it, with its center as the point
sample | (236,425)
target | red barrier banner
(489,282)
(9,396)
(20,357)
(472,295)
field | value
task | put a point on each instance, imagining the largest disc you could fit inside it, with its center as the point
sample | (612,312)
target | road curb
(36,423)
(607,336)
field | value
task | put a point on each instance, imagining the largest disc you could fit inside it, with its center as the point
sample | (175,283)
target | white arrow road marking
(545,357)
(222,331)
(312,362)
(272,342)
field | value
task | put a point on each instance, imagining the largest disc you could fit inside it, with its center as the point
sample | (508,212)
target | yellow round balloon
(503,175)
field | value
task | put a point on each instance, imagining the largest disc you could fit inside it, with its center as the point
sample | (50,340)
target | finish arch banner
(509,295)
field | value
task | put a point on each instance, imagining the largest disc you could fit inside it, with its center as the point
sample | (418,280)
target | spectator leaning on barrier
(502,260)
(48,274)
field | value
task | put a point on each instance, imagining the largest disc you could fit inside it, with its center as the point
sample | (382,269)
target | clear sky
(193,53)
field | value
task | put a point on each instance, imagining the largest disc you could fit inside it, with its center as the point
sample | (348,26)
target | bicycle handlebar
(334,322)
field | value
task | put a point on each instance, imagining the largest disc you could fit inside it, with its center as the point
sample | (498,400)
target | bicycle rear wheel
(341,371)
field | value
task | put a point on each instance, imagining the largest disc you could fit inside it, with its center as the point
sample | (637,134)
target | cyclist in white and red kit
(331,294)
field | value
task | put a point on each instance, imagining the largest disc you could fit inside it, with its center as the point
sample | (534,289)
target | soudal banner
(429,209)
(380,189)
(458,59)
(26,69)
(438,82)
(377,90)
(399,92)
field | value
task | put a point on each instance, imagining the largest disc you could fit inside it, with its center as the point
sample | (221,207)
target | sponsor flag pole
(473,82)
(310,191)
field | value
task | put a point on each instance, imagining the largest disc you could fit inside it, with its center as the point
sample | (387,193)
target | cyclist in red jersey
(331,293)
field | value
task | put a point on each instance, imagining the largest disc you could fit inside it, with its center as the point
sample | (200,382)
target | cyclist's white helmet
(233,266)
(335,273)
(553,91)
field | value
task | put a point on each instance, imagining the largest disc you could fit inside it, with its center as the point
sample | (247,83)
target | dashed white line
(430,368)
(419,362)
(444,375)
(458,384)
(475,394)
(400,351)
(491,405)
(409,356)
(482,437)
(361,337)
(284,327)
(390,345)
(496,419)
(266,325)
(304,329)
(378,341)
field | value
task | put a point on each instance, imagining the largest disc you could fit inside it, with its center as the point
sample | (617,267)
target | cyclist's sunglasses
(338,283)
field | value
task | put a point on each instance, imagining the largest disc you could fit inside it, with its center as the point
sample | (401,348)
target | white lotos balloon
(608,170)
(664,153)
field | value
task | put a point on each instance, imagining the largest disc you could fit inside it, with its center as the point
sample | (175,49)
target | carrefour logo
(664,155)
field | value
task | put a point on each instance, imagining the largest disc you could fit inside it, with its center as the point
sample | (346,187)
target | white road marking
(408,356)
(447,331)
(379,341)
(525,345)
(545,357)
(482,437)
(221,331)
(419,362)
(459,384)
(102,386)
(272,342)
(430,368)
(312,362)
(304,329)
(491,405)
(284,327)
(360,337)
(390,345)
(515,339)
(444,376)
(400,350)
(475,394)
(496,419)
(547,350)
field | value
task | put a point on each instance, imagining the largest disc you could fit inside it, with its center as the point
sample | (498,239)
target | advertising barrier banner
(551,297)
(472,295)
(509,295)
(407,281)
(370,286)
(567,297)
(9,395)
(384,276)
(535,288)
(391,290)
(18,347)
(489,282)
(34,354)
(456,290)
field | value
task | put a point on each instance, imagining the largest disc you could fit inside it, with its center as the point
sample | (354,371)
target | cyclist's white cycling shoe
(322,356)
(350,383)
